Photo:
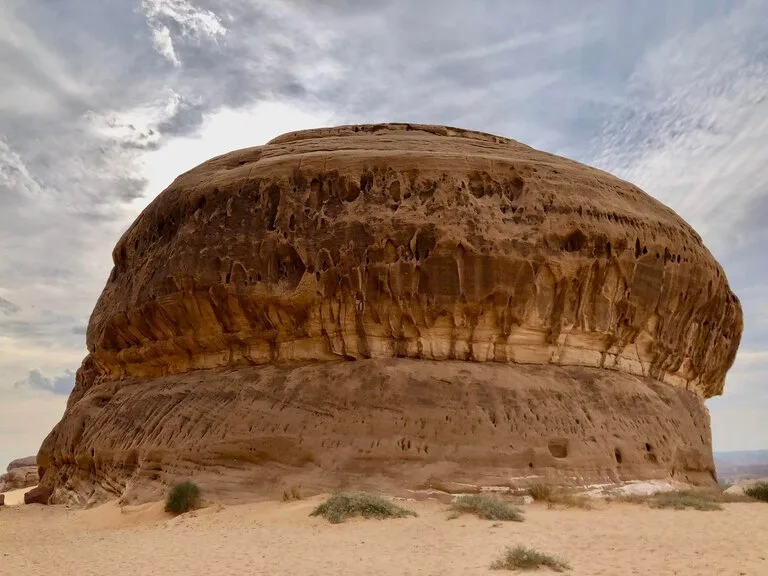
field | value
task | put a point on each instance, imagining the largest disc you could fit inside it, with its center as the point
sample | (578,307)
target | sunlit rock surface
(511,313)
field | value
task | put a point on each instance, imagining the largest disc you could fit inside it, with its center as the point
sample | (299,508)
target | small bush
(522,558)
(681,500)
(293,494)
(487,508)
(339,507)
(544,493)
(183,498)
(571,501)
(540,492)
(758,491)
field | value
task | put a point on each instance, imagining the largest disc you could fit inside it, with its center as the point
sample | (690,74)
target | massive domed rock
(397,304)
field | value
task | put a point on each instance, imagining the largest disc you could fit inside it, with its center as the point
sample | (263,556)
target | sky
(103,103)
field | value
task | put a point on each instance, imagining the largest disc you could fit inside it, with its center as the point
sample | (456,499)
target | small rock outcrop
(397,304)
(21,473)
(38,495)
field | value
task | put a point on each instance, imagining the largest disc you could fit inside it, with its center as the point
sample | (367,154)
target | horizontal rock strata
(20,473)
(377,424)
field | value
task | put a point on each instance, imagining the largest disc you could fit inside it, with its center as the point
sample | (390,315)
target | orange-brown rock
(510,313)
(38,495)
(20,473)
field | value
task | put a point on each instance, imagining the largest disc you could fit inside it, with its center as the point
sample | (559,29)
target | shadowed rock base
(376,424)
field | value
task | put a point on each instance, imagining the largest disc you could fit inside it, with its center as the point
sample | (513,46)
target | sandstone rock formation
(21,473)
(397,304)
(38,495)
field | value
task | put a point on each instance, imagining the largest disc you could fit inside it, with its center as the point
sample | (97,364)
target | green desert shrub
(487,508)
(683,499)
(183,498)
(522,558)
(686,499)
(758,491)
(339,507)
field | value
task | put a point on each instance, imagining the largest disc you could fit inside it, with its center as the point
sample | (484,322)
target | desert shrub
(758,491)
(554,497)
(183,498)
(293,494)
(522,558)
(540,492)
(571,501)
(683,499)
(487,508)
(339,507)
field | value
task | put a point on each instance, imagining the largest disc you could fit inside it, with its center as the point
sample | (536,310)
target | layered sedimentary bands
(21,473)
(397,304)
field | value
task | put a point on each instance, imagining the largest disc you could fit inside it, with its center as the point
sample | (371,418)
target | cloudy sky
(103,103)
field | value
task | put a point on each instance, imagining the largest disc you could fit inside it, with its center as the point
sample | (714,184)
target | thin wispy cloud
(7,307)
(695,116)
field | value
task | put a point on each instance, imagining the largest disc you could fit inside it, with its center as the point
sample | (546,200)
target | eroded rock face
(20,473)
(398,242)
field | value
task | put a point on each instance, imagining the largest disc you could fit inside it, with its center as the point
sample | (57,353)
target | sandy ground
(280,538)
(14,497)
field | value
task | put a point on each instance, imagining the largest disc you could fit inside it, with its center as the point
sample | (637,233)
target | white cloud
(14,174)
(26,417)
(61,385)
(694,129)
(137,126)
(194,23)
(162,42)
(37,81)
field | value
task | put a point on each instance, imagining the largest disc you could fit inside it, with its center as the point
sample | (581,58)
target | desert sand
(14,497)
(280,538)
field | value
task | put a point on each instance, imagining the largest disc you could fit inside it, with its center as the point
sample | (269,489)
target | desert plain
(281,538)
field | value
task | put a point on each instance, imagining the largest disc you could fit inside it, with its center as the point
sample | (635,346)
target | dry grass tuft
(339,507)
(555,497)
(293,494)
(486,507)
(704,500)
(522,558)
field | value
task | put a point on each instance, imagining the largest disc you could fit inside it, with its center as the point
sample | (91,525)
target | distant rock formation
(21,473)
(397,304)
(741,465)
